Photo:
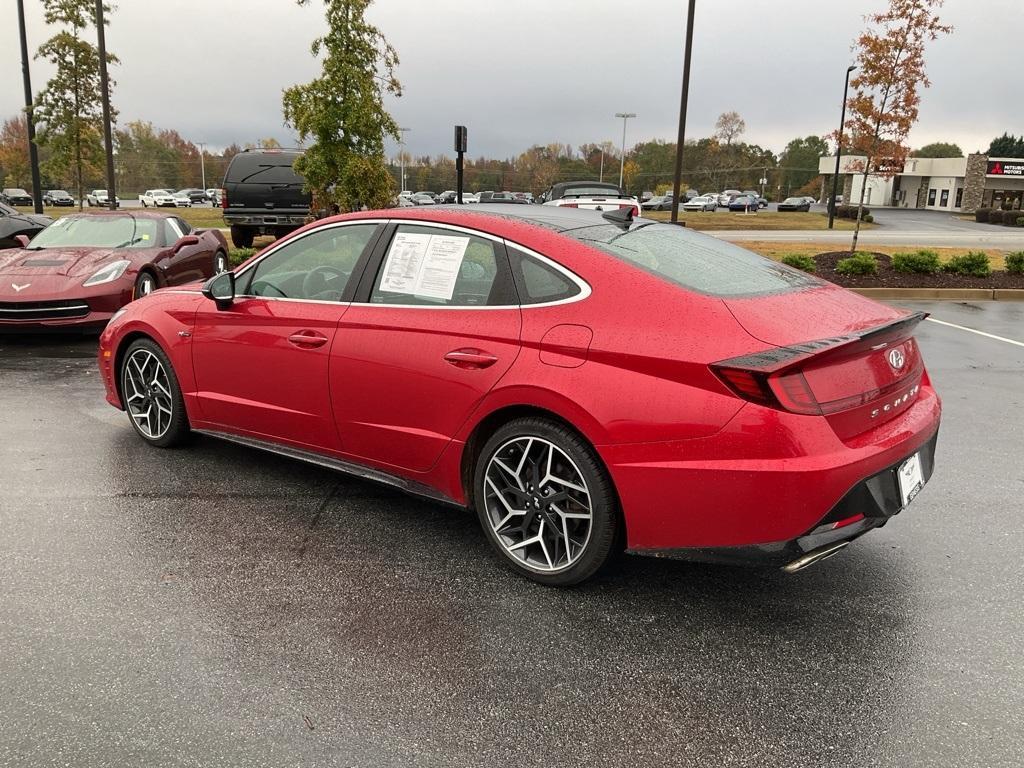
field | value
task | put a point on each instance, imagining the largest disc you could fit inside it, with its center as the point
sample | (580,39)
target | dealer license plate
(911,478)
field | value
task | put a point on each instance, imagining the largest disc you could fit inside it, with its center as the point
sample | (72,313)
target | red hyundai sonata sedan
(582,380)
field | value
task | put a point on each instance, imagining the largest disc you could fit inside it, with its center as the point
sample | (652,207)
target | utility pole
(839,151)
(105,94)
(601,177)
(202,161)
(33,151)
(401,153)
(622,160)
(677,178)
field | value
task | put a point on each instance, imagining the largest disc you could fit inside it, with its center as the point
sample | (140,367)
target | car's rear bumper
(266,219)
(867,505)
(767,477)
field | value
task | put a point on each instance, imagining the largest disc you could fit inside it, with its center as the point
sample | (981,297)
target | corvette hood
(68,262)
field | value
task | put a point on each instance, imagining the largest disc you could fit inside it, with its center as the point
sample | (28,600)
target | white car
(727,196)
(590,195)
(158,198)
(99,197)
(181,200)
(469,197)
(701,203)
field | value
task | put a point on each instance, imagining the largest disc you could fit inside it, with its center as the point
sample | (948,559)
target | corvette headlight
(108,273)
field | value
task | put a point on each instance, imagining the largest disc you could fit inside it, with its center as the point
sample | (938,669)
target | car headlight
(109,273)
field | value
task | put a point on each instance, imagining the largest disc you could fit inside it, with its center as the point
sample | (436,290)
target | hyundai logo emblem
(896,358)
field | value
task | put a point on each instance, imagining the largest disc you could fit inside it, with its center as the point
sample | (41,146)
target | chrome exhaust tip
(814,556)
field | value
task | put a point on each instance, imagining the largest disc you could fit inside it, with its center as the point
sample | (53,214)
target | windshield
(6,209)
(98,232)
(791,200)
(694,261)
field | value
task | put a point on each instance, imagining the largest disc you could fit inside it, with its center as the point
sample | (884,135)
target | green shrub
(1015,262)
(921,262)
(869,218)
(799,261)
(981,215)
(995,216)
(974,263)
(860,263)
(1020,221)
(850,212)
(237,255)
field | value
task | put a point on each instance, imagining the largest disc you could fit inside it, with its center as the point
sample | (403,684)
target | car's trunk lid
(835,354)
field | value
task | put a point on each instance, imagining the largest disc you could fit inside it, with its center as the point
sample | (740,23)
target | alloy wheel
(145,285)
(147,391)
(538,504)
(220,263)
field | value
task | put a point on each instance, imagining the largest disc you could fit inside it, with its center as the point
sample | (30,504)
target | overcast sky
(526,72)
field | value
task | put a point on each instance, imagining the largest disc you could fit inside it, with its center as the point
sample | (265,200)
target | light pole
(622,160)
(839,150)
(601,177)
(33,152)
(677,176)
(105,95)
(401,153)
(202,161)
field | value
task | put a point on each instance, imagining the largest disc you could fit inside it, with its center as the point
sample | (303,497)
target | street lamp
(401,153)
(839,150)
(622,160)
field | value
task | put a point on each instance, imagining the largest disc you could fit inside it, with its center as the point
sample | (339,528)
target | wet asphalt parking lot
(218,606)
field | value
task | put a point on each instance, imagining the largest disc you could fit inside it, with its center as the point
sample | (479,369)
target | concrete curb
(947,294)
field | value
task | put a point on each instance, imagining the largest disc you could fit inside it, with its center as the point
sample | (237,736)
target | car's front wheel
(145,284)
(151,395)
(545,502)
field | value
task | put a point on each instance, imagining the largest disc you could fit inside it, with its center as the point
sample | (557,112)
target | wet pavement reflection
(221,606)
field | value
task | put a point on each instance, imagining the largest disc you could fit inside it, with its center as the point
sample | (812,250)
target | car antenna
(620,217)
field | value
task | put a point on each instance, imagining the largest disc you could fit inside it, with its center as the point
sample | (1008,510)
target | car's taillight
(570,205)
(828,376)
(224,199)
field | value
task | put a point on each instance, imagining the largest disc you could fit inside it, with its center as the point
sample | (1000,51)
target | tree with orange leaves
(890,72)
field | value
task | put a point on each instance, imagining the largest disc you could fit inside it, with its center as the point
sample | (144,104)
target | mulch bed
(887,277)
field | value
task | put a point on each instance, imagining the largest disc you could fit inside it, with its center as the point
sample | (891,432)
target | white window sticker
(424,265)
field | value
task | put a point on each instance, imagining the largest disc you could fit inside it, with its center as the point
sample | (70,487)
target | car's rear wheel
(151,395)
(545,502)
(241,237)
(145,284)
(220,262)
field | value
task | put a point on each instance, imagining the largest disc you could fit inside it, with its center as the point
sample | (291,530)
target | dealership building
(935,183)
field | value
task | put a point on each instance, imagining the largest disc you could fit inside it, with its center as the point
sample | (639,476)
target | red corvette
(81,269)
(584,381)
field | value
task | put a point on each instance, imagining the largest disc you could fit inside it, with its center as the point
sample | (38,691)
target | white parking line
(980,333)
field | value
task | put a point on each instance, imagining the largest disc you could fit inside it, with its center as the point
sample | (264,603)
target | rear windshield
(694,261)
(594,191)
(263,169)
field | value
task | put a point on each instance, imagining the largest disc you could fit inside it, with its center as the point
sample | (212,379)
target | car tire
(241,237)
(152,396)
(527,461)
(145,284)
(220,262)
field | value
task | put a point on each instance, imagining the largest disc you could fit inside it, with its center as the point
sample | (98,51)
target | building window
(931,197)
(959,197)
(944,199)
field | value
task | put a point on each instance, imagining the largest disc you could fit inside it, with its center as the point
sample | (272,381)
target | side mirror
(220,289)
(186,241)
(22,240)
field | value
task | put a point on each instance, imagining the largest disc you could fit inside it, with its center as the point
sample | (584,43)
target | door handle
(307,339)
(470,358)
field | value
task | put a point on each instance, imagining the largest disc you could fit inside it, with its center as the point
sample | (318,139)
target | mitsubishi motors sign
(1005,168)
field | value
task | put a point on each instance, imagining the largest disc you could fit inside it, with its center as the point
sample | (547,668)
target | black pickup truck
(262,195)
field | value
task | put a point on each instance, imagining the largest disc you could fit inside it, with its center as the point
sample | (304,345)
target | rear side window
(428,266)
(698,262)
(538,283)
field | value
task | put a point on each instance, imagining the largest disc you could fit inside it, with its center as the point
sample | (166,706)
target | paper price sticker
(424,265)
